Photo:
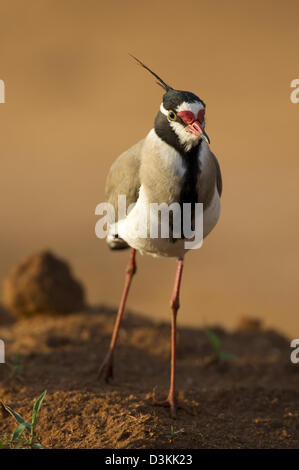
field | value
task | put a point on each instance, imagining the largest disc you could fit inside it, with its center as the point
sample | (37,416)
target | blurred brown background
(75,100)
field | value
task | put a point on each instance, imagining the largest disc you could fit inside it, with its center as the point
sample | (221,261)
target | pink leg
(107,364)
(171,400)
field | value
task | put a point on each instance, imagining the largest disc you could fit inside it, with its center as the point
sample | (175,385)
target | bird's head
(180,121)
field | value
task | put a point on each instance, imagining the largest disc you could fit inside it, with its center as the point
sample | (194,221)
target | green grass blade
(18,432)
(17,417)
(36,407)
(213,339)
(37,446)
(226,356)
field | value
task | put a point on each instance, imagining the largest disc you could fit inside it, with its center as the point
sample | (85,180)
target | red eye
(201,115)
(187,116)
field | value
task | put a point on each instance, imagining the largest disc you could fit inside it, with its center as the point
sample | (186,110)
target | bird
(173,163)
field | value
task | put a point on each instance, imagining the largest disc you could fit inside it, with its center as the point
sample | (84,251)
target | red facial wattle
(201,115)
(193,125)
(186,116)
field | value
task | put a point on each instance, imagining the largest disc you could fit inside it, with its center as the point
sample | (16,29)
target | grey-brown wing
(123,177)
(209,176)
(218,175)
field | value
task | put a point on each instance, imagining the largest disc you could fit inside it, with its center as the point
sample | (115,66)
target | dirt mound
(42,283)
(240,388)
(5,316)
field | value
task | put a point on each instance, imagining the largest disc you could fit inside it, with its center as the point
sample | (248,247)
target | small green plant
(16,368)
(173,433)
(215,342)
(24,434)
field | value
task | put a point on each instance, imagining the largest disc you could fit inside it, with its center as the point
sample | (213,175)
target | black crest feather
(160,82)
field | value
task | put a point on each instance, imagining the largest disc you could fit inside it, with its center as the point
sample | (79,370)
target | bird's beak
(196,129)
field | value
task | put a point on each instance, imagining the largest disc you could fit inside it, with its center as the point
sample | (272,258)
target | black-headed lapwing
(173,164)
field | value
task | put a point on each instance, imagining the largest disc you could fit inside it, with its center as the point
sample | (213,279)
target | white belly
(133,228)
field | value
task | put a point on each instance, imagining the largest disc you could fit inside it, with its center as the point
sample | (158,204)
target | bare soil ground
(251,401)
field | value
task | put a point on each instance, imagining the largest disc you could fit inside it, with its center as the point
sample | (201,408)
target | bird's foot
(174,404)
(106,368)
(170,402)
